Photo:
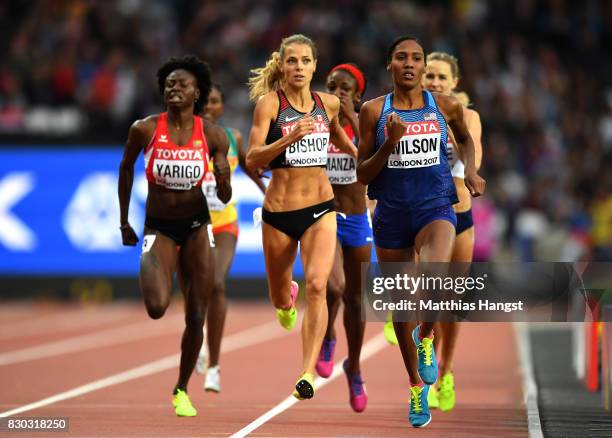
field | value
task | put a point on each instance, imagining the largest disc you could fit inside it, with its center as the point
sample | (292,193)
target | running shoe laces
(328,350)
(415,399)
(357,384)
(426,349)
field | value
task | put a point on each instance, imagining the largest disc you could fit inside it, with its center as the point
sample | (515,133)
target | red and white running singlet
(177,167)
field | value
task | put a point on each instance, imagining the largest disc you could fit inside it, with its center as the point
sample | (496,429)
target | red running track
(50,349)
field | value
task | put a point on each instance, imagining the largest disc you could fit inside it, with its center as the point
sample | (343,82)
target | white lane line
(245,338)
(114,336)
(530,389)
(369,349)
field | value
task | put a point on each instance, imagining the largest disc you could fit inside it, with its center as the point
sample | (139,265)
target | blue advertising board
(59,214)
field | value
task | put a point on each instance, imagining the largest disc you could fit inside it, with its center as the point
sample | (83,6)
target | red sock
(420,385)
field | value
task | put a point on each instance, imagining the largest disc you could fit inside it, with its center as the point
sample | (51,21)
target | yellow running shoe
(447,392)
(390,335)
(304,387)
(288,317)
(182,405)
(433,399)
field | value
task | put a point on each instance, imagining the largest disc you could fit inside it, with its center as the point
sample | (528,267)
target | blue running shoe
(419,409)
(428,365)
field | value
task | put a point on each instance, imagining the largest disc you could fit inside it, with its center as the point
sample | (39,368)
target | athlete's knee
(156,297)
(156,308)
(316,288)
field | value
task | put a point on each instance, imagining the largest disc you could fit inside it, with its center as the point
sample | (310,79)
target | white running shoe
(213,379)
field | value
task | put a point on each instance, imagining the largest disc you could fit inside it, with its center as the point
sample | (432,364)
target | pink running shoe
(295,289)
(325,363)
(357,390)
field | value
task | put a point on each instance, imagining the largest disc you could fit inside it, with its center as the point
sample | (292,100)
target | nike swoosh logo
(289,119)
(317,215)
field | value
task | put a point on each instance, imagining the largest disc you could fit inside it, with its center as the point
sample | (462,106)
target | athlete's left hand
(474,183)
(224,191)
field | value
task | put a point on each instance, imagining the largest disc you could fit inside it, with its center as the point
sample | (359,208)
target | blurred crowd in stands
(537,71)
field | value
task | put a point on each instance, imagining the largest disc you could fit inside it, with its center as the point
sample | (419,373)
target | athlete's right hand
(396,128)
(302,128)
(128,235)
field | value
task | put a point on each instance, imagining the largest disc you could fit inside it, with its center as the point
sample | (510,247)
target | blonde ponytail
(265,79)
(269,78)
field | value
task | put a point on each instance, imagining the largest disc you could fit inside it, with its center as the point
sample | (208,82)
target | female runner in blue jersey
(292,127)
(414,190)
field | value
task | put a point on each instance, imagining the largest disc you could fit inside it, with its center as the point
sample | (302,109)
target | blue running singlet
(417,175)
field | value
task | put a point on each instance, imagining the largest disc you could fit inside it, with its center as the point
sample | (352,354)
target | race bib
(310,150)
(147,242)
(178,169)
(341,167)
(419,147)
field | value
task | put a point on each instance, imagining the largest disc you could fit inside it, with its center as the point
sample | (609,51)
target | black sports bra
(310,151)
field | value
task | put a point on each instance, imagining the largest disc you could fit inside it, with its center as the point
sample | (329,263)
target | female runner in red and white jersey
(177,146)
(354,234)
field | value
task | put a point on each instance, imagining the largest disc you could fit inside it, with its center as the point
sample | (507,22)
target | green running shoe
(447,392)
(182,405)
(288,317)
(433,398)
(390,335)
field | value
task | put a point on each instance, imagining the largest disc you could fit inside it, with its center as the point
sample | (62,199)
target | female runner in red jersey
(354,235)
(177,146)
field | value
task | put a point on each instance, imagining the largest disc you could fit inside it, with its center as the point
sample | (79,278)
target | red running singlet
(176,167)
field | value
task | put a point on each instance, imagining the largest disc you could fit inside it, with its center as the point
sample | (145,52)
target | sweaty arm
(218,151)
(453,111)
(242,162)
(370,163)
(139,134)
(259,154)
